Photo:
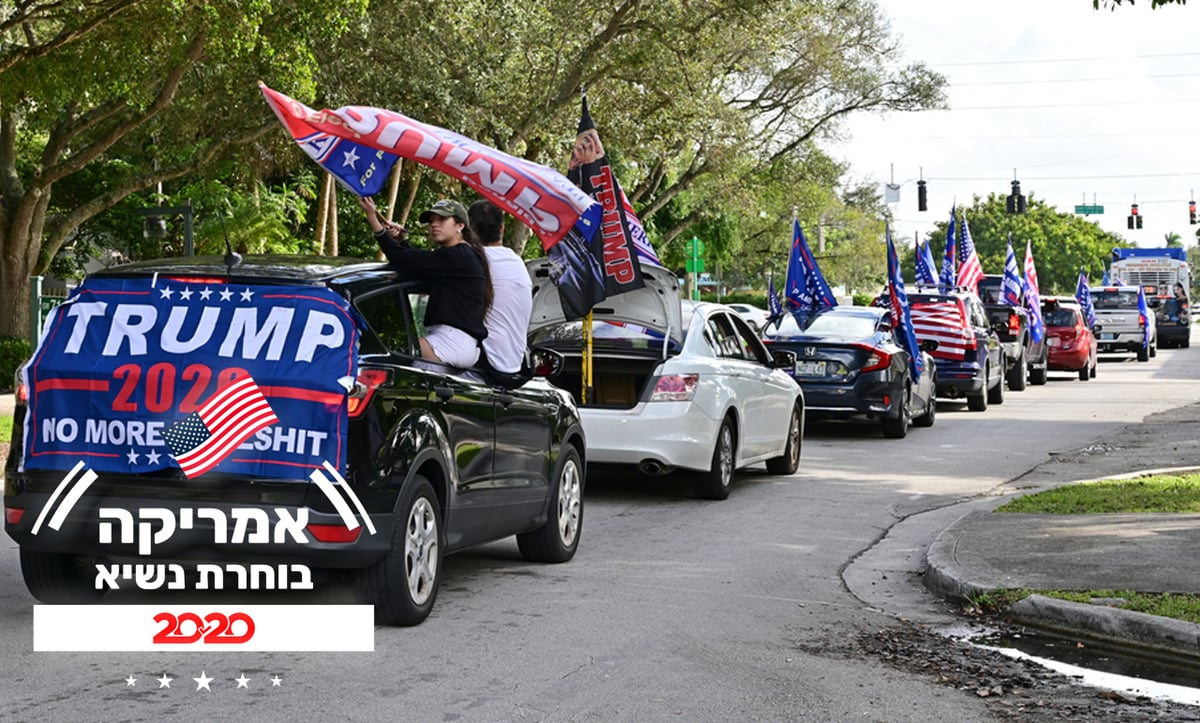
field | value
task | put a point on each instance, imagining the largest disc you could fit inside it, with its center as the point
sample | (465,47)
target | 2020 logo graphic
(187,628)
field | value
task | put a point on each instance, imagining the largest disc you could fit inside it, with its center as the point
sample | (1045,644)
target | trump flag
(949,276)
(1083,293)
(1010,287)
(562,216)
(1033,298)
(925,265)
(806,288)
(901,317)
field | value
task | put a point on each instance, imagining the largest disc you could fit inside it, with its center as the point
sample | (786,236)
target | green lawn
(1157,493)
(5,428)
(1167,605)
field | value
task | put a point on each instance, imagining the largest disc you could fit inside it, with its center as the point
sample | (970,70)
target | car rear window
(1114,299)
(1062,316)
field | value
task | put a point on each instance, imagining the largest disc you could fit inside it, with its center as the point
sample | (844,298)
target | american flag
(1033,297)
(948,274)
(1010,287)
(944,322)
(970,272)
(202,439)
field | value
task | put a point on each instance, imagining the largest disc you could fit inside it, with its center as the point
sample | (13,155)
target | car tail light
(196,280)
(364,388)
(877,359)
(13,515)
(22,393)
(1014,324)
(675,388)
(333,533)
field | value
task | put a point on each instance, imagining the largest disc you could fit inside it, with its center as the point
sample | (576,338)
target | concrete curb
(1126,628)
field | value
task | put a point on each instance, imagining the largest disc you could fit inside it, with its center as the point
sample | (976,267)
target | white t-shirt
(507,320)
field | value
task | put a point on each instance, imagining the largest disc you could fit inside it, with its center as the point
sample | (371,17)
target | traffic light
(1192,212)
(923,199)
(1016,202)
(1135,219)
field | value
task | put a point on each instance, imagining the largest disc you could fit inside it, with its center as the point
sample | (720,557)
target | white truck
(1155,270)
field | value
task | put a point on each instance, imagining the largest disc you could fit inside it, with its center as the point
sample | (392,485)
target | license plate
(810,368)
(1053,340)
(1108,336)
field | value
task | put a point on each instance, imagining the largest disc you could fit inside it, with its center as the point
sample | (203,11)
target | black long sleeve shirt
(456,281)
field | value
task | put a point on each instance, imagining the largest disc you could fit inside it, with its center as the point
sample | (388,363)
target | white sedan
(757,318)
(675,384)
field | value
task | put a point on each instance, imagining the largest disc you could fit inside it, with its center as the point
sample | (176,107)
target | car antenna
(232,258)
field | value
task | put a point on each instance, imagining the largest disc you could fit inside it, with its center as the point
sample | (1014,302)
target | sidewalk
(984,550)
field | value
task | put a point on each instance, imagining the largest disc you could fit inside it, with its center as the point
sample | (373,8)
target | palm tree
(1173,239)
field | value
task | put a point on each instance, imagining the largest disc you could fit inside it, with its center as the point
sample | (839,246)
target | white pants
(453,345)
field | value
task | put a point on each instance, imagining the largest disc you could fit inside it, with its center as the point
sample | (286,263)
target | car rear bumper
(959,379)
(1119,341)
(870,395)
(670,434)
(1072,359)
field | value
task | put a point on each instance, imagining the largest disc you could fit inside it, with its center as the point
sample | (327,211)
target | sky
(1094,107)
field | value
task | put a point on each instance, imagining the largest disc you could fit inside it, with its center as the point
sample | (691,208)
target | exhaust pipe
(650,467)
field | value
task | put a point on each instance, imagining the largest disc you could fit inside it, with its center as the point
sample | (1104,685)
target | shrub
(13,352)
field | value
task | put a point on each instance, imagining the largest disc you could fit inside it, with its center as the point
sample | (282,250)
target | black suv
(376,462)
(969,356)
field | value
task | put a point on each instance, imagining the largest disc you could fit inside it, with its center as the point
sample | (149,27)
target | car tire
(1143,354)
(1085,373)
(930,416)
(995,395)
(403,584)
(1016,377)
(1037,376)
(979,402)
(56,578)
(1154,349)
(558,538)
(1185,343)
(789,461)
(1094,365)
(716,482)
(897,427)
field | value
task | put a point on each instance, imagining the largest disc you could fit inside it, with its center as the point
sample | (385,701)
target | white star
(130,681)
(247,294)
(226,294)
(203,681)
(166,292)
(164,681)
(243,681)
(351,158)
(276,681)
(152,458)
(186,294)
(206,293)
(133,456)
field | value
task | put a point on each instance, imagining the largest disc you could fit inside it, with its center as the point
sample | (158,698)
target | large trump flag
(562,216)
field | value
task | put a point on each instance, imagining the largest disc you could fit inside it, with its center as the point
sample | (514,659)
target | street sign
(1089,210)
(694,266)
(694,247)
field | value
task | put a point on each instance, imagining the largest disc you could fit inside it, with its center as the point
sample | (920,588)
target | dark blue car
(849,364)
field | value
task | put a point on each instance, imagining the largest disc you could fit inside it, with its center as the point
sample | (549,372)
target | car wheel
(1143,354)
(1085,373)
(897,427)
(1093,372)
(715,484)
(403,584)
(1154,349)
(979,402)
(930,416)
(995,395)
(1185,343)
(1016,377)
(1037,377)
(789,461)
(557,539)
(57,578)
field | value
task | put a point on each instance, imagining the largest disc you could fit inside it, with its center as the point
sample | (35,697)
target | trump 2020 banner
(136,375)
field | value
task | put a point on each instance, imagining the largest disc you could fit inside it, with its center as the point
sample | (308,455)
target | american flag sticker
(201,440)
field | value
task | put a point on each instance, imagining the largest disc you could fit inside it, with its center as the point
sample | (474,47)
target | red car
(1071,344)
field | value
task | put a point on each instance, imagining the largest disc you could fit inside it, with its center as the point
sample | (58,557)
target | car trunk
(618,382)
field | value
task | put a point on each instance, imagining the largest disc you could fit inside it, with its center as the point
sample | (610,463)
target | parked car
(434,459)
(969,357)
(1173,323)
(751,314)
(1117,311)
(1071,343)
(1026,356)
(850,365)
(675,385)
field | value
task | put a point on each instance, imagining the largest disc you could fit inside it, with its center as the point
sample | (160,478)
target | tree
(1063,243)
(1154,4)
(88,85)
(1173,239)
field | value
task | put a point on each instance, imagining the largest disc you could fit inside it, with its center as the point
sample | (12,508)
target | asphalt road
(673,609)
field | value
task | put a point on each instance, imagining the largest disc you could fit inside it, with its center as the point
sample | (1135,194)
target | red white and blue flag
(203,439)
(1033,298)
(925,265)
(1083,293)
(1144,317)
(970,271)
(562,216)
(949,275)
(806,288)
(944,322)
(1011,286)
(902,324)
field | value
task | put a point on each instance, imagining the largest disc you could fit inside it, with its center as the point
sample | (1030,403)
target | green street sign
(695,266)
(1089,210)
(695,247)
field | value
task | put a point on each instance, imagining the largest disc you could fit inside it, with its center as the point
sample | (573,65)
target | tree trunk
(15,287)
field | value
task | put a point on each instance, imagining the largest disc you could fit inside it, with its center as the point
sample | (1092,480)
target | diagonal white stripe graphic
(60,515)
(339,504)
(345,488)
(54,495)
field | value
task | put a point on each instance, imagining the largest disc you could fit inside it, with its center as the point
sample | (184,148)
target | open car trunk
(618,382)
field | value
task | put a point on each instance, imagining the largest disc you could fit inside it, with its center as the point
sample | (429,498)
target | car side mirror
(783,359)
(929,345)
(546,362)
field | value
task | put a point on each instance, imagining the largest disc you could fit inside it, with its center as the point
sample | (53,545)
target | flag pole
(586,381)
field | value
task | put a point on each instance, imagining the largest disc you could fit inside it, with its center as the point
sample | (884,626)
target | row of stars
(152,456)
(202,683)
(186,294)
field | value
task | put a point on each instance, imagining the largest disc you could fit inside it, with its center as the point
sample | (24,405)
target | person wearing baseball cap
(460,289)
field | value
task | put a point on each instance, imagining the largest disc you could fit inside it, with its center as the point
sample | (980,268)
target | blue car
(850,365)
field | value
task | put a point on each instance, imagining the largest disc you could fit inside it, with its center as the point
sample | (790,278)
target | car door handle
(444,393)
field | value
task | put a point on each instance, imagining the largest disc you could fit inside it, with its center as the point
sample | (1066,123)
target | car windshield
(853,326)
(1114,299)
(1062,316)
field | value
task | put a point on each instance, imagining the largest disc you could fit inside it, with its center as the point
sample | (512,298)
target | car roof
(295,268)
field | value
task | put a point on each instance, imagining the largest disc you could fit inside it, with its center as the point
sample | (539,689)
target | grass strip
(1168,605)
(1152,493)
